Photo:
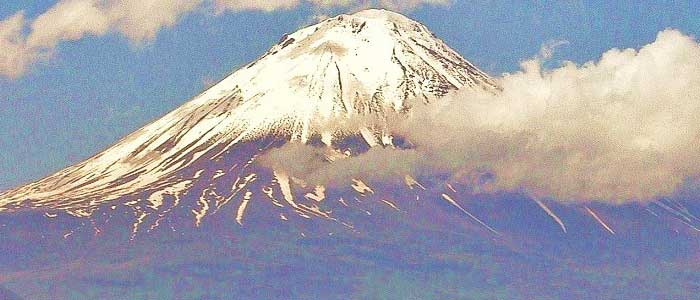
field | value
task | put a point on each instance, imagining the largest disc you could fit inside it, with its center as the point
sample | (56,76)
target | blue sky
(96,89)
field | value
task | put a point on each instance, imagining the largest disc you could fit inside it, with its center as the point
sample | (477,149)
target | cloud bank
(24,42)
(624,128)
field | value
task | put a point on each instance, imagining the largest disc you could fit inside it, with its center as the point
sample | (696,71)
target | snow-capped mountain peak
(366,64)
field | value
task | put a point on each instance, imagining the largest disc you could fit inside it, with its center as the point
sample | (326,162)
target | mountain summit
(362,65)
(333,86)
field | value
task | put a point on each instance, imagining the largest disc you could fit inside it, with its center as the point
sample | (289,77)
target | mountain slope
(353,66)
(331,85)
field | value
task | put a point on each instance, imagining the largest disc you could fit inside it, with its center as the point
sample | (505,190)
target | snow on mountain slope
(197,166)
(361,65)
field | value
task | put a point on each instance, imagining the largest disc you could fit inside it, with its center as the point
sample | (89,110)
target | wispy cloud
(14,56)
(239,5)
(24,42)
(548,48)
(69,20)
(403,5)
(624,128)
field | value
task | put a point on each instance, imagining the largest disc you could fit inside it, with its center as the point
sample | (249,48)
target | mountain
(185,198)
(331,85)
(363,65)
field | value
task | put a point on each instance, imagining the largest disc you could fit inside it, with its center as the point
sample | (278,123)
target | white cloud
(239,5)
(312,164)
(67,20)
(140,20)
(137,20)
(624,128)
(14,56)
(548,48)
(409,4)
(403,5)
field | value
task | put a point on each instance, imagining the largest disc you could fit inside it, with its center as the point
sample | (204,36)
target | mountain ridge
(200,160)
(364,66)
